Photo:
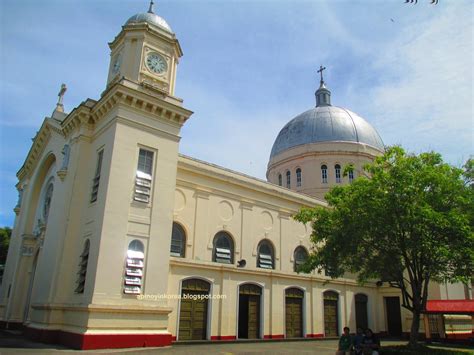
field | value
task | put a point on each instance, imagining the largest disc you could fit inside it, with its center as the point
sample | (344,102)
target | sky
(249,67)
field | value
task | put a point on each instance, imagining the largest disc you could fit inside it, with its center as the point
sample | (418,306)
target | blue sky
(249,66)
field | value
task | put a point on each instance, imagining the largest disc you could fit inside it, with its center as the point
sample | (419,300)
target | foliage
(5,234)
(408,224)
(419,350)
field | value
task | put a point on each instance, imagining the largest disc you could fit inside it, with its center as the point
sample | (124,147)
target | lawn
(422,349)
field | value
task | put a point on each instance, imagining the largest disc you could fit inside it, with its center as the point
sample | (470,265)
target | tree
(410,223)
(5,234)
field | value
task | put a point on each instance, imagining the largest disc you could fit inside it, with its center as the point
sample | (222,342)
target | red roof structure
(450,306)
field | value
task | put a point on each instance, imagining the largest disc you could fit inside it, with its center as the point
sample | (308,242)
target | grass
(421,350)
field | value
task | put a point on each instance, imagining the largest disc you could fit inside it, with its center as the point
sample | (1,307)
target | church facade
(120,241)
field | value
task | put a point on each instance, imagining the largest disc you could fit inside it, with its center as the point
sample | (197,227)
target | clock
(156,63)
(116,64)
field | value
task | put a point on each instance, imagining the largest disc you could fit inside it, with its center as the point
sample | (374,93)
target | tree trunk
(415,326)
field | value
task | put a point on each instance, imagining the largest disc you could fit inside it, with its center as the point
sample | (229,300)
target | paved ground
(14,343)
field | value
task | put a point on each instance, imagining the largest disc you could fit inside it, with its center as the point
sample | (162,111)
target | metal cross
(321,68)
(61,94)
(150,9)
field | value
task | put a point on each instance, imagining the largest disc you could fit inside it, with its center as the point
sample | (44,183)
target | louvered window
(265,258)
(142,191)
(300,257)
(96,179)
(178,241)
(134,268)
(223,251)
(81,274)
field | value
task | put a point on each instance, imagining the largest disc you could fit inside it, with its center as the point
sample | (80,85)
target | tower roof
(149,17)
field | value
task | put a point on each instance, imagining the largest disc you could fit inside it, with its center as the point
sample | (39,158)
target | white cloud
(426,99)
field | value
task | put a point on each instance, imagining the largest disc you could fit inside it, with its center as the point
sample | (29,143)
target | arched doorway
(361,301)
(294,312)
(249,311)
(331,314)
(193,314)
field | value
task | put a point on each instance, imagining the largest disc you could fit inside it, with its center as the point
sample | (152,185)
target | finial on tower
(150,9)
(59,105)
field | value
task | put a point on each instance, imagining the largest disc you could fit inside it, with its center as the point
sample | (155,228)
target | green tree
(410,223)
(5,234)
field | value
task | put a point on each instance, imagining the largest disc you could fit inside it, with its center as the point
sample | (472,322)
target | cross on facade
(321,68)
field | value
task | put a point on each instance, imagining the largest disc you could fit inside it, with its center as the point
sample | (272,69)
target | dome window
(298,177)
(324,174)
(337,169)
(288,179)
(280,180)
(351,175)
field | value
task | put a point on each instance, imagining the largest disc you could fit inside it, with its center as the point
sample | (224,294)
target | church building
(121,241)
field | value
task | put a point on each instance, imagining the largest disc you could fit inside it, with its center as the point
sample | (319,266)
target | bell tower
(147,52)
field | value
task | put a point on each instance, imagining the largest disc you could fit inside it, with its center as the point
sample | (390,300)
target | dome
(150,18)
(326,123)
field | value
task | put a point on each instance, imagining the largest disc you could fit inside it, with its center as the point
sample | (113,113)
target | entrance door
(331,314)
(294,312)
(361,311)
(249,311)
(193,310)
(394,318)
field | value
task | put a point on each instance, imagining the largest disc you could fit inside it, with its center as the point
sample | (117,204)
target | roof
(450,306)
(326,124)
(150,18)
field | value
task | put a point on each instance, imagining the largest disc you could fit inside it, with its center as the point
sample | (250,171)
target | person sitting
(370,343)
(345,343)
(357,341)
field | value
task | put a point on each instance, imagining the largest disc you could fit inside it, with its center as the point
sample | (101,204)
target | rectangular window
(143,179)
(96,179)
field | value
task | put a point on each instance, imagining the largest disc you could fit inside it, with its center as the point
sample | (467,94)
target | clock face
(156,63)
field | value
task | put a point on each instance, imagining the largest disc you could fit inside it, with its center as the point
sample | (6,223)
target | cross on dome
(321,68)
(150,9)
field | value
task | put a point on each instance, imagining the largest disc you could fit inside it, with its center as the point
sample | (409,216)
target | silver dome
(149,18)
(325,124)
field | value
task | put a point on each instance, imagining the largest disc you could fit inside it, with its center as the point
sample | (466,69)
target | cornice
(195,166)
(37,148)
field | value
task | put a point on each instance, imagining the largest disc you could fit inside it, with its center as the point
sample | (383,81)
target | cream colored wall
(209,199)
(310,157)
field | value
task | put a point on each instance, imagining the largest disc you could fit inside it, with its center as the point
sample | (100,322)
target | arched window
(288,179)
(134,268)
(47,201)
(223,251)
(81,275)
(265,255)
(280,180)
(178,241)
(351,175)
(337,169)
(324,174)
(298,177)
(300,256)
